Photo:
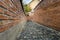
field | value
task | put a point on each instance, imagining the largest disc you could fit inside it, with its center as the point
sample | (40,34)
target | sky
(26,1)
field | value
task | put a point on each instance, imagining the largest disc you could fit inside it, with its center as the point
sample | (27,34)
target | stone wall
(47,13)
(12,19)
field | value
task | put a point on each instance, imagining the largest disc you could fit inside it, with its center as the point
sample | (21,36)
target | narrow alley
(29,19)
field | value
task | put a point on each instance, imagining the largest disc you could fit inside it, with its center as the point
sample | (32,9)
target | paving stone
(34,31)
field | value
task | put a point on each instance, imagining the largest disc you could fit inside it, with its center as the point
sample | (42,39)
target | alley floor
(35,31)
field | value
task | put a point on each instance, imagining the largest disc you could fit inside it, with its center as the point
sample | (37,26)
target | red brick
(48,14)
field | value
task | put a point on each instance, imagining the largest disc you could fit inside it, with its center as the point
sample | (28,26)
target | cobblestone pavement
(34,31)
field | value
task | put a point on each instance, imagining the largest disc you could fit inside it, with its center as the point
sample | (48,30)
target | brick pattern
(10,13)
(48,13)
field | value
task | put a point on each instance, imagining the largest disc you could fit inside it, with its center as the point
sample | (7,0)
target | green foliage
(27,8)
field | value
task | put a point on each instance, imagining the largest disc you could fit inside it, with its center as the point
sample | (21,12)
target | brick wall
(12,19)
(48,13)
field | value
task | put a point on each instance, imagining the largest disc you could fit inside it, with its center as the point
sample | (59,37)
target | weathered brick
(10,13)
(48,13)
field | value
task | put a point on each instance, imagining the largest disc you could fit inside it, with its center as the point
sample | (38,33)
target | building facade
(33,3)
